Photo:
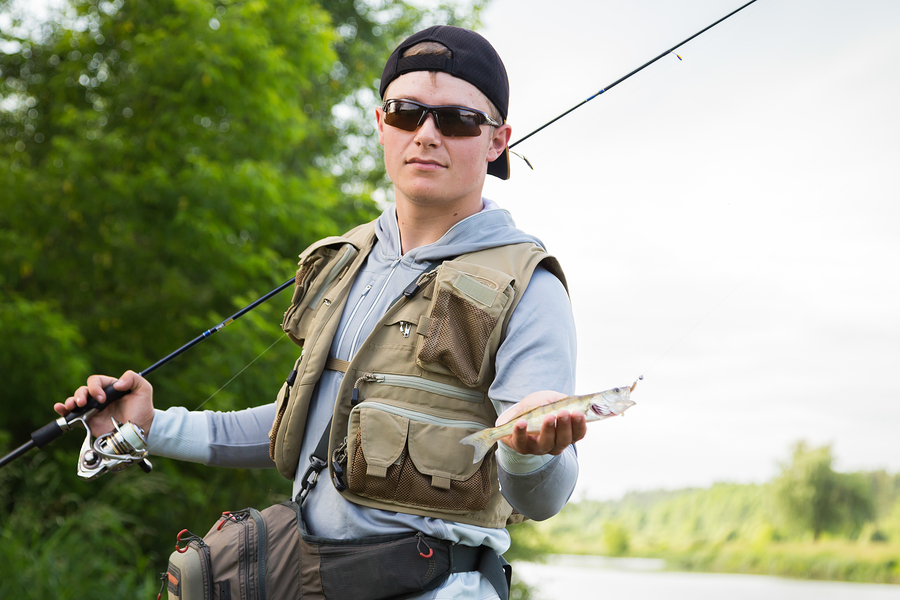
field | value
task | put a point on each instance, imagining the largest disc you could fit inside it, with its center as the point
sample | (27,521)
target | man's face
(426,167)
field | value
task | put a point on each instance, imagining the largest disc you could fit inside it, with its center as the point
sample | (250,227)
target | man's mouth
(425,162)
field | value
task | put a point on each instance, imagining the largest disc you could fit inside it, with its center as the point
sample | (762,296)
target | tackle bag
(254,555)
(247,555)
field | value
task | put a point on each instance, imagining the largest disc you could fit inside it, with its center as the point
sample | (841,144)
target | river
(594,577)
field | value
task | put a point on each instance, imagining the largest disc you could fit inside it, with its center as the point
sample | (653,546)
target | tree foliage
(161,165)
(818,499)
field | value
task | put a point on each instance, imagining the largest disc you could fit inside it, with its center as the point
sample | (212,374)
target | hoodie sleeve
(538,353)
(223,439)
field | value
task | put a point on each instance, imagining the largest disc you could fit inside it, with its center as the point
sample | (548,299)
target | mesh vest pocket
(466,309)
(400,458)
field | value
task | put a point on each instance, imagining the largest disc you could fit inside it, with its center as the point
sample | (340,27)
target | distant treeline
(809,522)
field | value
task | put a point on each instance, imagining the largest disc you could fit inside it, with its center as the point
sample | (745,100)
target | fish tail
(482,441)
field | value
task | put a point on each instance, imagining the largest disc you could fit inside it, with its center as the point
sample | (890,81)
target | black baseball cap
(474,60)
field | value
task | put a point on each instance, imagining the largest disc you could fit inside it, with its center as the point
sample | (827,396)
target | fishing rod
(624,77)
(126,444)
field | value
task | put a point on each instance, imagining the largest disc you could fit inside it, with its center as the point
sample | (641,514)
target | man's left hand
(558,431)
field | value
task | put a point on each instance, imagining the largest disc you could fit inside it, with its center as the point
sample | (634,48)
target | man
(416,330)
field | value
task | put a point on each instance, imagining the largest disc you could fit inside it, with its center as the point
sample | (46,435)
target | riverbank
(835,560)
(566,577)
(742,528)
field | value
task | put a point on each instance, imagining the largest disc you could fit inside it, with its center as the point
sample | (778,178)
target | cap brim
(499,167)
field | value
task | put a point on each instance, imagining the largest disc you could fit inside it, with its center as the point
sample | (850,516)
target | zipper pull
(414,288)
(421,542)
(354,396)
(291,378)
(405,327)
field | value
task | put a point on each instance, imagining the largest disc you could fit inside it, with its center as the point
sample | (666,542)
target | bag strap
(491,565)
(317,464)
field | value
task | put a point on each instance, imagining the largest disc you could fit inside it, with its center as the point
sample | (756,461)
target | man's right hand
(136,407)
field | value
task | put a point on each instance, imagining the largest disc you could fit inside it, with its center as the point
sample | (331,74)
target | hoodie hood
(491,227)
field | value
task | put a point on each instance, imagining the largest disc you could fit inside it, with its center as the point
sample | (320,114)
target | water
(591,577)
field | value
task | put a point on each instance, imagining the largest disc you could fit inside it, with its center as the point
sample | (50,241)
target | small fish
(594,407)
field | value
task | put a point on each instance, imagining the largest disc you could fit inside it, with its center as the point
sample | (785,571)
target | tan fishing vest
(417,385)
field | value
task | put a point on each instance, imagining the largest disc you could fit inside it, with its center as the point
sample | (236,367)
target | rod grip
(53,430)
(46,434)
(112,394)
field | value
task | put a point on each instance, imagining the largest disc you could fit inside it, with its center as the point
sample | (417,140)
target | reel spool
(112,451)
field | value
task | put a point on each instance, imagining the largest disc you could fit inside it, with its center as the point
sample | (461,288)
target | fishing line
(634,72)
(247,366)
(236,375)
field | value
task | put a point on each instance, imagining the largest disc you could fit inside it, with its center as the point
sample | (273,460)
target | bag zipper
(418,383)
(260,554)
(240,517)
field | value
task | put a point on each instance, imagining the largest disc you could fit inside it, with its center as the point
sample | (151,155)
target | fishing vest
(416,386)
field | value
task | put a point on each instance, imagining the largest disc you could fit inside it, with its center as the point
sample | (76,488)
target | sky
(728,224)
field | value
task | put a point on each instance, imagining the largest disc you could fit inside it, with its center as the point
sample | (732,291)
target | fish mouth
(606,411)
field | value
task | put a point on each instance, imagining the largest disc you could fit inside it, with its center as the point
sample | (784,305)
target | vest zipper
(420,416)
(418,383)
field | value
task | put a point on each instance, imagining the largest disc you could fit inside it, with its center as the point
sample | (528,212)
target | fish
(594,407)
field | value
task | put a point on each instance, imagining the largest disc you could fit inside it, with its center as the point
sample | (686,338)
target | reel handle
(54,429)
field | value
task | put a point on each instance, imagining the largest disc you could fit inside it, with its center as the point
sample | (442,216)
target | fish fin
(481,441)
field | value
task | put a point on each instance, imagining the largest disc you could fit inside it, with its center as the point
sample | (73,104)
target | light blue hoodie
(537,354)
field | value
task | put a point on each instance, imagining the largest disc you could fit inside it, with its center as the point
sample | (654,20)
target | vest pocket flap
(317,272)
(435,451)
(383,439)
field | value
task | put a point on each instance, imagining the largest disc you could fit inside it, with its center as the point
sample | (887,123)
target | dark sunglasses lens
(458,122)
(403,115)
(453,121)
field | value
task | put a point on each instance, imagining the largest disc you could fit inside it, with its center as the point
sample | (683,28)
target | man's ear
(499,141)
(379,123)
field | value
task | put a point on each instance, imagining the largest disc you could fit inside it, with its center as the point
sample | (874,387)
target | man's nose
(428,132)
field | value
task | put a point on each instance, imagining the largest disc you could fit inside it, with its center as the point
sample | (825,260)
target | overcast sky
(728,224)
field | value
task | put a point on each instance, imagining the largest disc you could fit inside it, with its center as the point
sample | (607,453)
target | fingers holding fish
(558,431)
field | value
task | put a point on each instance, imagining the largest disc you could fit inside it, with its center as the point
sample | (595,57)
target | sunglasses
(453,121)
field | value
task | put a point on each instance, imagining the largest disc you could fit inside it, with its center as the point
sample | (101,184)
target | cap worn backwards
(473,60)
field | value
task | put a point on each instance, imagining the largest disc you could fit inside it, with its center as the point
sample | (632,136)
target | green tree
(818,499)
(162,164)
(616,538)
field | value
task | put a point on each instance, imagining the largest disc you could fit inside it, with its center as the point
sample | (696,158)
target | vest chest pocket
(415,459)
(317,272)
(461,331)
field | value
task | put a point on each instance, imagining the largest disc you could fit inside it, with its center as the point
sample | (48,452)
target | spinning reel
(112,451)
